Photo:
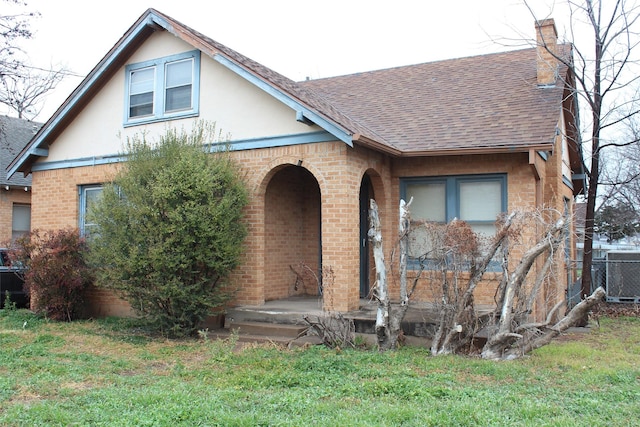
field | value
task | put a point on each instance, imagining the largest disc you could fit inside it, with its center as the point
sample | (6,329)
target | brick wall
(55,205)
(324,189)
(55,199)
(303,189)
(522,188)
(287,193)
(292,238)
(556,194)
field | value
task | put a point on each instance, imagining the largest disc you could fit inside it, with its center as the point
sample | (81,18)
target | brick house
(15,191)
(474,136)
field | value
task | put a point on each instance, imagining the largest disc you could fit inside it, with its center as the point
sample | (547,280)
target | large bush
(56,273)
(169,229)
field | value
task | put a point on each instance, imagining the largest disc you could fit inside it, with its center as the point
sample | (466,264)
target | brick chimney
(547,41)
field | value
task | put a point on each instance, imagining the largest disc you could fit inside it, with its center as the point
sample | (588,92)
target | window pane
(179,73)
(425,241)
(486,229)
(21,217)
(178,98)
(141,105)
(428,201)
(91,195)
(480,200)
(178,85)
(141,92)
(142,81)
(21,220)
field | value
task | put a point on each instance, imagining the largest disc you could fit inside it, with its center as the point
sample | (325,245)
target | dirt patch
(573,334)
(615,310)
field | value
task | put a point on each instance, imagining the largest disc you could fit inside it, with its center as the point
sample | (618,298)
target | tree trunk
(525,343)
(504,335)
(389,318)
(456,328)
(596,102)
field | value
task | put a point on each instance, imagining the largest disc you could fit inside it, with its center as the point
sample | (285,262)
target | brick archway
(292,223)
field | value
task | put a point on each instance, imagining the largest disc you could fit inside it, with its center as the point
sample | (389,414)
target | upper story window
(163,89)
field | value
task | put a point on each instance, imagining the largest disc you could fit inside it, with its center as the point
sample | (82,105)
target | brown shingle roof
(482,102)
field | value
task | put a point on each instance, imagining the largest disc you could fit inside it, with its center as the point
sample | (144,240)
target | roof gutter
(529,149)
(375,145)
(475,151)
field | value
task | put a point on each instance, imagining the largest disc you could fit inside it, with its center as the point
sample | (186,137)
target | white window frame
(159,66)
(83,225)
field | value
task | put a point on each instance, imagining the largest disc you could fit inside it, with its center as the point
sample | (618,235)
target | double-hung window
(89,194)
(476,199)
(163,89)
(20,220)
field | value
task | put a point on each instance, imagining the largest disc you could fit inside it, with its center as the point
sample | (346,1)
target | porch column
(340,248)
(249,276)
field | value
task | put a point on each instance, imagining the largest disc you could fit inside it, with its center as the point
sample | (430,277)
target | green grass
(109,373)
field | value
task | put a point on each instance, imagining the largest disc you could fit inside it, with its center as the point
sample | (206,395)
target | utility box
(623,276)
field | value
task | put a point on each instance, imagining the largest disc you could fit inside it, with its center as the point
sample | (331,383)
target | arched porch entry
(370,188)
(293,247)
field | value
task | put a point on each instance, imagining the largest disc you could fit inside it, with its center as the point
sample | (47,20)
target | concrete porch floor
(420,319)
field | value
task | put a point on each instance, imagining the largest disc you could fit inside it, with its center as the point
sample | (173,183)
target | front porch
(420,320)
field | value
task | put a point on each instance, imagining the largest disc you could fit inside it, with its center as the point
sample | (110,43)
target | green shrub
(169,229)
(56,274)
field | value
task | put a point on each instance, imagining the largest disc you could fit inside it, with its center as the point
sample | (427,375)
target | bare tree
(621,175)
(459,260)
(22,86)
(605,78)
(510,330)
(13,27)
(459,255)
(24,92)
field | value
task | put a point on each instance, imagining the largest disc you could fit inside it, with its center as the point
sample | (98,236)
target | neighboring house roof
(14,136)
(487,103)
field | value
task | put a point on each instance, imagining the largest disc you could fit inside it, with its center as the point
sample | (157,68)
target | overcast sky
(299,39)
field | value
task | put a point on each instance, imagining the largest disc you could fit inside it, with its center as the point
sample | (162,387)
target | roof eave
(478,150)
(385,148)
(376,145)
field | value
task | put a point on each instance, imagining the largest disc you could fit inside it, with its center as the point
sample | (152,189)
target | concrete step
(256,314)
(291,335)
(244,338)
(266,329)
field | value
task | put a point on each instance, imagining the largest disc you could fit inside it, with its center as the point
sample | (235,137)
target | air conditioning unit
(623,276)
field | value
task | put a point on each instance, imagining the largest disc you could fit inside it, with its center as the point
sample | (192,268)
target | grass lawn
(106,372)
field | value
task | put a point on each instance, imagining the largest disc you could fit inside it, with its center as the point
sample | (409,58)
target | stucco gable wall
(241,110)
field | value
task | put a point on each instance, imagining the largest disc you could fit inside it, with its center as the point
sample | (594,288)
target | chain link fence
(618,274)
